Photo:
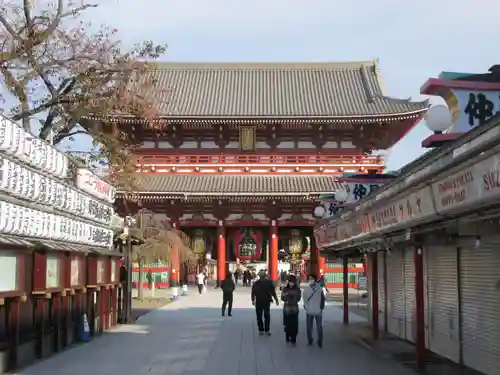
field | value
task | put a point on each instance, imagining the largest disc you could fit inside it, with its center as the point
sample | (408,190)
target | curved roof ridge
(264,65)
(402,100)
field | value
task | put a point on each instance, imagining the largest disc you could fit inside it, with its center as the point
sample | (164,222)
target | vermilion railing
(260,159)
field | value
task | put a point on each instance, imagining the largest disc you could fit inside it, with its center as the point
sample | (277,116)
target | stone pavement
(189,337)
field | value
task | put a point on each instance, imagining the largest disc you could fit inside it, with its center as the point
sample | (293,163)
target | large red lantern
(248,243)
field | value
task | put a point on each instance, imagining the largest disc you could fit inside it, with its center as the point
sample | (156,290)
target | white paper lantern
(37,222)
(4,174)
(25,151)
(24,221)
(50,165)
(24,190)
(14,221)
(14,144)
(44,155)
(438,118)
(6,133)
(46,230)
(51,192)
(319,212)
(15,169)
(341,195)
(4,215)
(19,153)
(37,188)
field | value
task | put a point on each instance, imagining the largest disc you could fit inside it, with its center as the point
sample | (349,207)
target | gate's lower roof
(197,184)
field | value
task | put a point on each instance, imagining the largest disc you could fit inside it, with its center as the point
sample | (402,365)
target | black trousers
(263,309)
(291,323)
(200,288)
(227,300)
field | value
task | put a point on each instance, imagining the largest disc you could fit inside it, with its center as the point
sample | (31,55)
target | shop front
(431,238)
(54,216)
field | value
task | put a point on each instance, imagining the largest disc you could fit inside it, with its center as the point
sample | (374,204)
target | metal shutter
(395,293)
(442,301)
(369,286)
(381,291)
(480,306)
(409,293)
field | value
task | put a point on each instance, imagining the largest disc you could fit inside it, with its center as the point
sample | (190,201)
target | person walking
(291,295)
(200,280)
(246,276)
(314,304)
(227,285)
(263,293)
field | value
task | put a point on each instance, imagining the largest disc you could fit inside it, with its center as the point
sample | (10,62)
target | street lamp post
(129,221)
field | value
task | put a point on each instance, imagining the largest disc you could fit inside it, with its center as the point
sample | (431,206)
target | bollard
(175,293)
(84,329)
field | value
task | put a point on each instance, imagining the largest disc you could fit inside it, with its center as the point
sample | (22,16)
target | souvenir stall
(54,217)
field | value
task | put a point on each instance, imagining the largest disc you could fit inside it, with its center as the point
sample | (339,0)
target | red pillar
(321,264)
(221,253)
(419,305)
(273,252)
(346,289)
(373,264)
(175,271)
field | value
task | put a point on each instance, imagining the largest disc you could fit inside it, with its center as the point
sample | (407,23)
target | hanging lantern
(295,244)
(198,243)
(248,244)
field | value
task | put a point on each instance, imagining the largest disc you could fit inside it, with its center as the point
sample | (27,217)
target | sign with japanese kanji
(355,191)
(471,108)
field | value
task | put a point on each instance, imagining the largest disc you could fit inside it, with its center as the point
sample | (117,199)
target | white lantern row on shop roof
(19,181)
(16,142)
(22,221)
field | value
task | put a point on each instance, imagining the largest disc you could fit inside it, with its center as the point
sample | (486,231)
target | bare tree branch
(61,75)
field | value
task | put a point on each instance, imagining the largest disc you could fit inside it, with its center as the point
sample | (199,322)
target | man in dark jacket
(227,286)
(263,293)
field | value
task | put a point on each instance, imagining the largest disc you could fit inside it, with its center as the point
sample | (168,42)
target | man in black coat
(227,286)
(263,293)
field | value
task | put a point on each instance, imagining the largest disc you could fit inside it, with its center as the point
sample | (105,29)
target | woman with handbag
(291,295)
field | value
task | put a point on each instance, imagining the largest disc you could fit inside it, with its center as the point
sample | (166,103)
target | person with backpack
(227,287)
(291,295)
(314,304)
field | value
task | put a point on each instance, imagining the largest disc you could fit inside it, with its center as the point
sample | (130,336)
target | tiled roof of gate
(337,89)
(258,184)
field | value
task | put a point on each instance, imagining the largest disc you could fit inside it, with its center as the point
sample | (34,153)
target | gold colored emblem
(247,138)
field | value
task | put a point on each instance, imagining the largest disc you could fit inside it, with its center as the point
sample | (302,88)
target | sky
(413,40)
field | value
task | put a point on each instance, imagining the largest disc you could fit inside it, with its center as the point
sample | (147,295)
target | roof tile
(274,90)
(259,184)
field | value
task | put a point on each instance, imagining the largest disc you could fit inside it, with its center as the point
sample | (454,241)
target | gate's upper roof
(294,90)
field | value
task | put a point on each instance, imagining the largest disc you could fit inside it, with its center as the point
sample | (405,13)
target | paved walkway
(189,337)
